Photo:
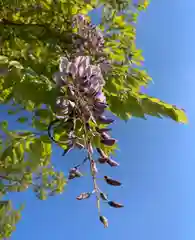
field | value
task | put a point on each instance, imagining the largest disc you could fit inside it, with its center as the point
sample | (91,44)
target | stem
(92,173)
(87,140)
(83,162)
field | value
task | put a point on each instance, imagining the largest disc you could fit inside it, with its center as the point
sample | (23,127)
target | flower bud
(105,135)
(108,142)
(111,181)
(115,205)
(105,120)
(103,196)
(102,160)
(103,130)
(104,220)
(84,195)
(112,163)
(100,105)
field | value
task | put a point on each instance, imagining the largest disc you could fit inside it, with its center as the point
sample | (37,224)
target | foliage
(34,35)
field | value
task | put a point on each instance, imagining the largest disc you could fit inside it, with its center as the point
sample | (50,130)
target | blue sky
(156,156)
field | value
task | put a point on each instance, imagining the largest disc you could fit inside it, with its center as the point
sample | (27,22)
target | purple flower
(100,97)
(102,130)
(112,163)
(105,120)
(94,37)
(102,160)
(105,135)
(111,181)
(108,142)
(84,195)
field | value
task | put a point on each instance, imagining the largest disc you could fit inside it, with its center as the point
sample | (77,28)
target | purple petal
(101,105)
(100,97)
(105,135)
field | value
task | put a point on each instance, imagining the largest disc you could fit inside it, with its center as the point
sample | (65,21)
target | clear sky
(156,156)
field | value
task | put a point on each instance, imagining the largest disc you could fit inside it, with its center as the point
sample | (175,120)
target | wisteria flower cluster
(82,99)
(93,38)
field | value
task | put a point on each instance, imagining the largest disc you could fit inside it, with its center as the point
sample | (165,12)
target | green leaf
(156,107)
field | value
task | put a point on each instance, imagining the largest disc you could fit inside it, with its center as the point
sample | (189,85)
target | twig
(92,173)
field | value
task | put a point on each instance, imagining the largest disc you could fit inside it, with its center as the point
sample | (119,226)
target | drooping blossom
(80,80)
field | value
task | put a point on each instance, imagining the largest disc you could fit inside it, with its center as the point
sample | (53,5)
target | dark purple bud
(111,181)
(115,205)
(84,195)
(102,160)
(105,135)
(104,220)
(100,105)
(105,120)
(108,142)
(103,196)
(112,163)
(102,130)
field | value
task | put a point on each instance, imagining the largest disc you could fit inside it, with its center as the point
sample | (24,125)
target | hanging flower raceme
(81,97)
